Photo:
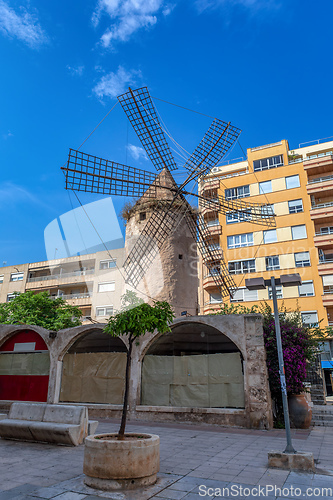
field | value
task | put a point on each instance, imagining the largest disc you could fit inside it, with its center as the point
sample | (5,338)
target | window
(233,217)
(266,163)
(267,210)
(242,266)
(306,289)
(295,206)
(215,298)
(104,311)
(108,264)
(237,192)
(16,276)
(272,263)
(240,240)
(244,295)
(310,318)
(106,287)
(298,232)
(302,259)
(265,187)
(1,278)
(279,294)
(11,296)
(292,182)
(270,236)
(143,215)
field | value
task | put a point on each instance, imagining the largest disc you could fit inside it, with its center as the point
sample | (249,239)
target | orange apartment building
(298,184)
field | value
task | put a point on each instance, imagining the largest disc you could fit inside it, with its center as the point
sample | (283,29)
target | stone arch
(196,365)
(24,363)
(93,367)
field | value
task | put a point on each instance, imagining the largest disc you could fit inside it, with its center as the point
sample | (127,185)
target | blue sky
(266,65)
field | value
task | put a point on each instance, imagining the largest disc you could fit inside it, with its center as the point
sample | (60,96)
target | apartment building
(92,282)
(298,186)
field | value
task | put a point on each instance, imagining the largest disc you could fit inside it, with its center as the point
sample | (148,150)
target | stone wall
(245,331)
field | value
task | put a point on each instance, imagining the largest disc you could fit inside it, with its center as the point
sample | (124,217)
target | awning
(327,364)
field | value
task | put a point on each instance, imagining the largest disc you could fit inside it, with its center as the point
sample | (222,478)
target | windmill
(88,173)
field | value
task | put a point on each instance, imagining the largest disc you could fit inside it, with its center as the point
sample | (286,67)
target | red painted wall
(24,387)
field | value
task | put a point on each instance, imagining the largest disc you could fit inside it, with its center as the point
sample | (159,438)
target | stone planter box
(112,464)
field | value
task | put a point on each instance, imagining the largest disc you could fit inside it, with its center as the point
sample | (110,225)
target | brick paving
(194,459)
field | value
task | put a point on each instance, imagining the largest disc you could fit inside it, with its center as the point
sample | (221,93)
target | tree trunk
(121,432)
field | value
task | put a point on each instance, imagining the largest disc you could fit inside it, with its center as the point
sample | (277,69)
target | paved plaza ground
(194,459)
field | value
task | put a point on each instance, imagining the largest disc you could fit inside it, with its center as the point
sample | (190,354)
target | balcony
(322,210)
(320,184)
(210,307)
(328,296)
(319,164)
(208,208)
(213,253)
(47,280)
(77,299)
(215,230)
(324,237)
(325,265)
(210,184)
(208,282)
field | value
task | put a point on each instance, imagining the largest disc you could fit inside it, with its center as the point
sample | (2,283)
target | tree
(39,309)
(133,322)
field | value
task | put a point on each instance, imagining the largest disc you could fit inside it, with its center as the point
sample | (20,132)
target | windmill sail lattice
(92,174)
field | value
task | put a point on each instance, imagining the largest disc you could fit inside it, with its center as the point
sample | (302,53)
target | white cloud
(12,194)
(114,84)
(128,16)
(136,152)
(75,70)
(8,135)
(203,5)
(23,26)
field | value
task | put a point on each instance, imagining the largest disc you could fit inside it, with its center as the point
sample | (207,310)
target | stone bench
(51,423)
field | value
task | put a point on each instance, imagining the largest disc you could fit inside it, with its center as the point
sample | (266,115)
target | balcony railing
(327,230)
(321,179)
(72,296)
(295,160)
(211,223)
(326,260)
(323,205)
(60,276)
(328,290)
(318,155)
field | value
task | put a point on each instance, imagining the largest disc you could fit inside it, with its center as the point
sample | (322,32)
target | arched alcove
(24,367)
(195,365)
(94,369)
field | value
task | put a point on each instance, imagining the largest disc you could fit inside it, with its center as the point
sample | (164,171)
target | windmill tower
(172,275)
(162,220)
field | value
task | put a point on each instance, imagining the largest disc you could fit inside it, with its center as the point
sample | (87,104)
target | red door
(24,368)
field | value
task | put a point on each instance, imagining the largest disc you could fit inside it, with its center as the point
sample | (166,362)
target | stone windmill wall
(172,275)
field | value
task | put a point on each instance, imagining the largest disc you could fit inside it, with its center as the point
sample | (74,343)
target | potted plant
(127,460)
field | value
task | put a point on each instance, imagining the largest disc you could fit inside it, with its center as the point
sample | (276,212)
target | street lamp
(261,284)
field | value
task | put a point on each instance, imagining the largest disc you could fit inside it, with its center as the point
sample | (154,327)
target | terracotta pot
(300,412)
(112,464)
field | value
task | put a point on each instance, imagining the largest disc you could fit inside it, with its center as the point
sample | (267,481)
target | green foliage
(237,309)
(130,300)
(135,321)
(39,309)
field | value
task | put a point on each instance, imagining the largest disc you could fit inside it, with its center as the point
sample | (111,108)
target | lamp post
(260,284)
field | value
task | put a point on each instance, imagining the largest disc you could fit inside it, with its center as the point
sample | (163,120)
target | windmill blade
(162,223)
(239,210)
(89,173)
(142,114)
(216,142)
(212,256)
